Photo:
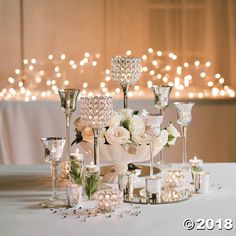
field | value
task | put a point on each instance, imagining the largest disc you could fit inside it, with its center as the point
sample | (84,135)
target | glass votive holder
(76,168)
(126,184)
(176,177)
(74,194)
(201,181)
(153,187)
(108,199)
(170,194)
(91,179)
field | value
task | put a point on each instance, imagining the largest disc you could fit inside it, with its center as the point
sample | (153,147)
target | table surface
(23,187)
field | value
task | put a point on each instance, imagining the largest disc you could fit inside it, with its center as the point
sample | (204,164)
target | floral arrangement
(127,128)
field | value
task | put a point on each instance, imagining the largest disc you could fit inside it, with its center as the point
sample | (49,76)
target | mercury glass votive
(53,153)
(152,129)
(153,187)
(74,194)
(184,113)
(201,181)
(126,184)
(161,100)
(109,199)
(125,71)
(96,113)
(68,105)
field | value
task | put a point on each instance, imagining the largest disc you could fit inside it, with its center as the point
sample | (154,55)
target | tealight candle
(195,162)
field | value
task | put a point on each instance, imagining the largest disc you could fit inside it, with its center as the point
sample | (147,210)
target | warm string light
(158,68)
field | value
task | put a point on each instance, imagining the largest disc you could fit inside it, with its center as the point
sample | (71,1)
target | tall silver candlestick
(184,113)
(161,96)
(68,105)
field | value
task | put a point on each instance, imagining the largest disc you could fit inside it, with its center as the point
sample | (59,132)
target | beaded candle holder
(109,199)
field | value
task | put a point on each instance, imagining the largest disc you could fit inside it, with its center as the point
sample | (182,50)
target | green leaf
(91,184)
(167,145)
(78,137)
(136,112)
(126,124)
(196,169)
(170,137)
(76,172)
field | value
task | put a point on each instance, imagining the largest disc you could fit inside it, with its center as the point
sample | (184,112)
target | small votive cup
(153,187)
(74,194)
(201,181)
(126,184)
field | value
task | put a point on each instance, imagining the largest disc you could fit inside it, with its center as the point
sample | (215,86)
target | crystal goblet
(184,113)
(153,129)
(96,113)
(53,152)
(125,71)
(161,95)
(68,105)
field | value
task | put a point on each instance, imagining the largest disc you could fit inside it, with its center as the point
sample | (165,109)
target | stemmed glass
(161,94)
(125,71)
(53,152)
(153,129)
(184,113)
(68,105)
(96,113)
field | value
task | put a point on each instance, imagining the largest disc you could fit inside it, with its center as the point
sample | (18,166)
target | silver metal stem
(96,146)
(125,88)
(68,118)
(184,143)
(54,179)
(151,157)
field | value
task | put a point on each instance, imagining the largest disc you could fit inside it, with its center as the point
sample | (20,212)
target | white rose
(101,137)
(161,140)
(137,124)
(79,124)
(117,135)
(140,138)
(116,119)
(87,134)
(173,132)
(126,113)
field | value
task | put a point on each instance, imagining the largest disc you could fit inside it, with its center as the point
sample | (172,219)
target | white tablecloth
(23,187)
(211,136)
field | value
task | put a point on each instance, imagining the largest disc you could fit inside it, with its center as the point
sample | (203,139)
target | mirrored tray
(145,170)
(140,198)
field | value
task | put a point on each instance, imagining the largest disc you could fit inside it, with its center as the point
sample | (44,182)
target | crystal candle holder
(109,199)
(174,194)
(125,71)
(126,184)
(96,113)
(153,187)
(176,178)
(74,194)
